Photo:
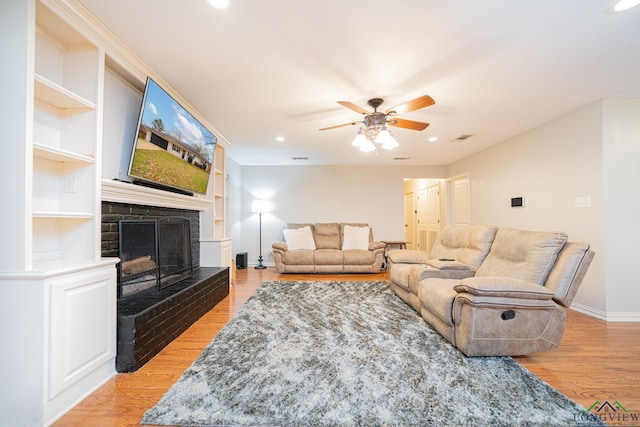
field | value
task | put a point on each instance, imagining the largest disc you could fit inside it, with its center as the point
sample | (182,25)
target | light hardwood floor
(596,361)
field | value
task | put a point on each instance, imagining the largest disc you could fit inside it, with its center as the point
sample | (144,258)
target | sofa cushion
(358,257)
(299,257)
(355,238)
(328,257)
(299,238)
(522,254)
(437,296)
(468,244)
(400,274)
(327,235)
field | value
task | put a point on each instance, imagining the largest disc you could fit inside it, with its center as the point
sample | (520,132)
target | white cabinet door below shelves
(82,326)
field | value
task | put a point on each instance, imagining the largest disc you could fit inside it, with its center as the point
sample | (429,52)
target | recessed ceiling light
(433,139)
(219,4)
(280,138)
(623,5)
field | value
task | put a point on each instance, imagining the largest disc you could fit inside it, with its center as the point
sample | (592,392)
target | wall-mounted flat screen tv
(171,148)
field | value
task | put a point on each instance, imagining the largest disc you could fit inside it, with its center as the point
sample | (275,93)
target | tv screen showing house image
(171,147)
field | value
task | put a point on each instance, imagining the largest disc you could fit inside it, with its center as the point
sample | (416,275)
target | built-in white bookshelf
(65,142)
(219,188)
(60,293)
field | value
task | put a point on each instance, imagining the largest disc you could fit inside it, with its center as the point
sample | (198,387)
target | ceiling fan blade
(354,107)
(416,104)
(339,126)
(407,124)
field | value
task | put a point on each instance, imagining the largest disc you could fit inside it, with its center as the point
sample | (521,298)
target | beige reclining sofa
(493,292)
(328,248)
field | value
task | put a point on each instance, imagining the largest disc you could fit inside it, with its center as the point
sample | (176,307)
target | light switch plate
(70,183)
(583,202)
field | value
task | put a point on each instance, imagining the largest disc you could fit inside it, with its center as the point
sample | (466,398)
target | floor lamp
(260,206)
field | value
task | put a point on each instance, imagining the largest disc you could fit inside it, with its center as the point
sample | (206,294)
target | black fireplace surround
(152,312)
(154,253)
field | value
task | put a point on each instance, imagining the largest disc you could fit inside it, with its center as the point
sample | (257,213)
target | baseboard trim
(603,315)
(623,317)
(589,311)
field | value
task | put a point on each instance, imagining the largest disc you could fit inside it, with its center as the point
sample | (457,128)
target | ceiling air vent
(463,137)
(300,158)
(402,158)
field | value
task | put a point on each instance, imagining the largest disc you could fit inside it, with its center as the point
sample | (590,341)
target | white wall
(367,194)
(121,109)
(234,204)
(621,137)
(552,165)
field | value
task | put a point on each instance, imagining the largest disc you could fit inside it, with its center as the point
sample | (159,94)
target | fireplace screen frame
(150,261)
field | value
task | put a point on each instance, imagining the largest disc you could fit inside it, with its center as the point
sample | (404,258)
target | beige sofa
(493,292)
(328,248)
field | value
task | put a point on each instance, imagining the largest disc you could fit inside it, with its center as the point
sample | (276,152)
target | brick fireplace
(151,317)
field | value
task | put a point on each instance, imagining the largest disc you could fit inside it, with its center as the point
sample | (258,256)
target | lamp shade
(259,206)
(359,140)
(367,146)
(390,143)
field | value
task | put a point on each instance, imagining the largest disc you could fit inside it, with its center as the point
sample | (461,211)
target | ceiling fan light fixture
(367,146)
(360,139)
(383,136)
(387,140)
(374,134)
(390,144)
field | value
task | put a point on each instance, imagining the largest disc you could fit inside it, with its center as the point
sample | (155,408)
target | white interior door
(422,219)
(433,215)
(410,220)
(459,201)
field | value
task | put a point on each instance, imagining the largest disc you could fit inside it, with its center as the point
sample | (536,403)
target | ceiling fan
(378,118)
(375,122)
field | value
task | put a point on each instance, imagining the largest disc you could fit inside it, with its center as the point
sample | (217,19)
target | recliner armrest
(407,256)
(280,246)
(442,264)
(376,245)
(503,287)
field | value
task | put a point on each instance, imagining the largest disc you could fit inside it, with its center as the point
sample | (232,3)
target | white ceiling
(496,68)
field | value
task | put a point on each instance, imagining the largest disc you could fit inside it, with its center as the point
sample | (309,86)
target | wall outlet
(70,183)
(583,202)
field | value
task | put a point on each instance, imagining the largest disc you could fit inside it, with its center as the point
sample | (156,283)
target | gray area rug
(349,354)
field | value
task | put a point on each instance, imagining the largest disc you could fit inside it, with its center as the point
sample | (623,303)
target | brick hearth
(150,320)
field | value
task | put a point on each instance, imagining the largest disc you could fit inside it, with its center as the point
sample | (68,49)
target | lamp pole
(260,266)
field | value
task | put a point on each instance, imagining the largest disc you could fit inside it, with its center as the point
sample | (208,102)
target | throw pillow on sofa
(355,238)
(299,238)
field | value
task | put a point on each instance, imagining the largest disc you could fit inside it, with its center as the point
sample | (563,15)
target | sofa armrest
(282,246)
(376,245)
(447,264)
(503,287)
(404,256)
(430,272)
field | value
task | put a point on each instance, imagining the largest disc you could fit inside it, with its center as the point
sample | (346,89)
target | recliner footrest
(488,326)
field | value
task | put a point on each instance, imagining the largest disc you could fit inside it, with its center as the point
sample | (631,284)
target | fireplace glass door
(154,253)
